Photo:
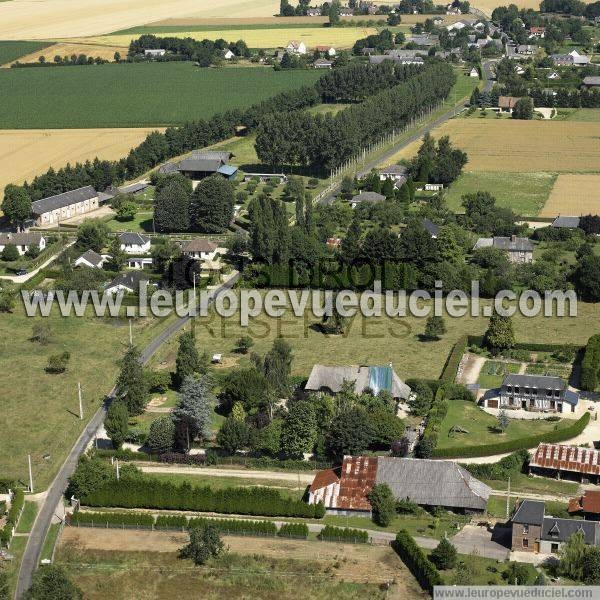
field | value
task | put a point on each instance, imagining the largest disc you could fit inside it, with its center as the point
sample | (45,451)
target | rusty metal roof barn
(566,458)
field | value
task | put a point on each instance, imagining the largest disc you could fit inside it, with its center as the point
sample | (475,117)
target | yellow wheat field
(50,19)
(573,195)
(522,146)
(64,49)
(30,152)
(339,37)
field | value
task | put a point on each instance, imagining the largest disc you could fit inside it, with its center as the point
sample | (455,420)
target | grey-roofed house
(201,164)
(368,197)
(23,241)
(432,229)
(425,39)
(517,249)
(425,482)
(565,222)
(396,173)
(534,531)
(199,248)
(405,53)
(322,63)
(134,243)
(537,393)
(129,282)
(54,209)
(591,81)
(90,259)
(374,378)
(377,59)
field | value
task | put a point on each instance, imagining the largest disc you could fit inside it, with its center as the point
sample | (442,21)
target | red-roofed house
(328,50)
(587,505)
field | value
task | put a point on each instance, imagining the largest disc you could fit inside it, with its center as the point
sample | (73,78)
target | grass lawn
(11,50)
(50,541)
(494,371)
(525,193)
(497,507)
(27,517)
(521,483)
(323,109)
(16,548)
(373,341)
(142,222)
(480,426)
(140,94)
(578,114)
(40,411)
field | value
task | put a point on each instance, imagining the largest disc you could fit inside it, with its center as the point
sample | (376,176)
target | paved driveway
(472,539)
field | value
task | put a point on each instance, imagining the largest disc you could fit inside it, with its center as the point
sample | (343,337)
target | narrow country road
(33,550)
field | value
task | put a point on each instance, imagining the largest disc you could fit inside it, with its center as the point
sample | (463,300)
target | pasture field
(487,6)
(25,153)
(511,145)
(144,564)
(40,411)
(578,114)
(374,340)
(134,95)
(573,195)
(67,49)
(12,50)
(63,18)
(268,37)
(525,193)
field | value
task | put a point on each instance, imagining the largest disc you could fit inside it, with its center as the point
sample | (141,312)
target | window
(554,548)
(525,543)
(525,528)
(516,389)
(548,392)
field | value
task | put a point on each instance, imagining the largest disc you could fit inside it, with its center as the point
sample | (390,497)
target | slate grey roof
(591,80)
(432,482)
(39,207)
(20,239)
(431,227)
(560,530)
(564,221)
(211,155)
(393,170)
(198,245)
(507,244)
(529,512)
(372,197)
(405,53)
(92,257)
(168,168)
(364,377)
(130,280)
(545,382)
(133,239)
(204,165)
(133,188)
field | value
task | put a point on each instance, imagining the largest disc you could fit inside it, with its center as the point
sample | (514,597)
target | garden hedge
(343,534)
(414,558)
(171,521)
(477,340)
(559,435)
(451,367)
(262,528)
(149,493)
(590,365)
(12,518)
(107,519)
(293,530)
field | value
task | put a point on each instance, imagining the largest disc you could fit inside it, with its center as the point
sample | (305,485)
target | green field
(493,372)
(175,29)
(134,95)
(578,114)
(480,426)
(10,50)
(525,193)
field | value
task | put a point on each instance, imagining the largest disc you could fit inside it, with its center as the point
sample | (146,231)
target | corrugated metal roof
(357,479)
(567,458)
(323,479)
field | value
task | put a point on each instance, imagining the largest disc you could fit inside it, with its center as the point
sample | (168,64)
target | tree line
(326,141)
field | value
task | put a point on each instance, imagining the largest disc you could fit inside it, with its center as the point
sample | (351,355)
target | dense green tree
(117,256)
(523,109)
(500,334)
(4,593)
(172,203)
(591,566)
(350,433)
(132,384)
(435,327)
(16,205)
(421,399)
(195,408)
(278,366)
(269,230)
(117,423)
(234,435)
(483,216)
(268,439)
(246,386)
(92,234)
(211,206)
(351,244)
(383,504)
(161,436)
(444,555)
(205,543)
(587,278)
(51,581)
(91,474)
(571,557)
(518,574)
(188,359)
(299,430)
(10,253)
(387,427)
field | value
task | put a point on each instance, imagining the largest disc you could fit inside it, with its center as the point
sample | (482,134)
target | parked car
(20,272)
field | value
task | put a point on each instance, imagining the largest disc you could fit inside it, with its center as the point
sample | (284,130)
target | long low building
(569,462)
(54,209)
(22,241)
(425,482)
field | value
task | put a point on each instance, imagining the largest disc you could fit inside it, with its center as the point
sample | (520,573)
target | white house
(54,209)
(200,249)
(90,259)
(139,262)
(22,241)
(134,243)
(473,72)
(327,50)
(228,54)
(553,75)
(128,282)
(154,52)
(434,187)
(296,47)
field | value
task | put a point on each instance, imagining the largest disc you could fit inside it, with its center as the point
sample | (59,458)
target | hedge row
(149,493)
(435,416)
(171,521)
(414,558)
(590,365)
(559,435)
(343,534)
(237,526)
(294,530)
(477,340)
(112,518)
(12,518)
(451,367)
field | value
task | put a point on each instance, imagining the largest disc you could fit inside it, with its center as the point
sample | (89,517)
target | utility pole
(117,464)
(80,402)
(508,499)
(30,474)
(130,333)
